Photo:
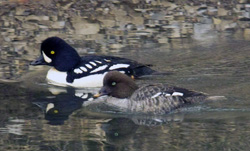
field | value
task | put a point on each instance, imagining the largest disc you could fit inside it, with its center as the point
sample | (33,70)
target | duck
(69,69)
(123,93)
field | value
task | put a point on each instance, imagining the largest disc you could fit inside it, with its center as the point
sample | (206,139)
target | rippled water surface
(203,45)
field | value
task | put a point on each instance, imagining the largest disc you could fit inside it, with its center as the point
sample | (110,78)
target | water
(203,46)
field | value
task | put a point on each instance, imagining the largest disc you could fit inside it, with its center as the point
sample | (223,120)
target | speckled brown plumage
(143,99)
(152,99)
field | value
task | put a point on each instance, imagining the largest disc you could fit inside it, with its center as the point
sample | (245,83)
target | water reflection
(175,135)
(64,126)
(58,108)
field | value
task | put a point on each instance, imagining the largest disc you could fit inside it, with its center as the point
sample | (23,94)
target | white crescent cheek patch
(49,106)
(46,58)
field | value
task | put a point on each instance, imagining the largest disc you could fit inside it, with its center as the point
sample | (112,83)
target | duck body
(92,69)
(156,99)
(69,69)
(150,99)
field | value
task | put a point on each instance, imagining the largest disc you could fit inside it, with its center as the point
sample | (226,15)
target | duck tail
(145,70)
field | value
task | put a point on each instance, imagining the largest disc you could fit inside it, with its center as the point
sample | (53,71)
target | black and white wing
(99,65)
(162,98)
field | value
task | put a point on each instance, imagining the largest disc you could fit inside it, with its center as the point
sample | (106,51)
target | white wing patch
(83,69)
(157,94)
(107,60)
(78,71)
(167,94)
(117,66)
(88,66)
(177,94)
(46,58)
(98,61)
(94,64)
(99,68)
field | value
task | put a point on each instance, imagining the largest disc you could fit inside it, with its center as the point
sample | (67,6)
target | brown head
(117,85)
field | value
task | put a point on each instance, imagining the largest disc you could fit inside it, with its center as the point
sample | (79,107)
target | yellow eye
(56,111)
(52,52)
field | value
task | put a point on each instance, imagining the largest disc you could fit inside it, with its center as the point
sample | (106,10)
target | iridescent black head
(57,53)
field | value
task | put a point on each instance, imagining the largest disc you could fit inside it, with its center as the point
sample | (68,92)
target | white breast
(58,78)
(121,103)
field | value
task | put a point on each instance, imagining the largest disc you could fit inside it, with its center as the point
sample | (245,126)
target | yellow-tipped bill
(97,95)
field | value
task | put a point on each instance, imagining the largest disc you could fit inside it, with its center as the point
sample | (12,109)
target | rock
(190,9)
(116,46)
(216,21)
(118,12)
(222,25)
(169,5)
(135,1)
(54,18)
(163,40)
(222,12)
(246,33)
(7,39)
(243,1)
(212,11)
(58,25)
(6,23)
(29,26)
(67,6)
(43,26)
(20,10)
(83,27)
(180,18)
(36,18)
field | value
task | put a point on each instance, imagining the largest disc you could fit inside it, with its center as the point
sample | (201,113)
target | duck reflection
(119,131)
(62,103)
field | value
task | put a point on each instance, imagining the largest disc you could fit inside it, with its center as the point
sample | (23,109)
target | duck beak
(39,61)
(97,95)
(102,92)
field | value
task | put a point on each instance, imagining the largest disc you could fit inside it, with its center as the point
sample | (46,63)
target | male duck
(151,99)
(69,69)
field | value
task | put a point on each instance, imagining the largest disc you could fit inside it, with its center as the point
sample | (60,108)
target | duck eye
(52,52)
(55,111)
(113,83)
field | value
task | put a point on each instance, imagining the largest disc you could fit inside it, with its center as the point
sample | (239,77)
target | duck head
(57,53)
(117,85)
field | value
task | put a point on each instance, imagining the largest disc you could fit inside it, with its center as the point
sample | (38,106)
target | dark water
(203,45)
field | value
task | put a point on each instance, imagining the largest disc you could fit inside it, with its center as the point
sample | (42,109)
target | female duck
(153,99)
(69,69)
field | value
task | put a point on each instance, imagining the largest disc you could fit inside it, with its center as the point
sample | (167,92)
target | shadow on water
(205,45)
